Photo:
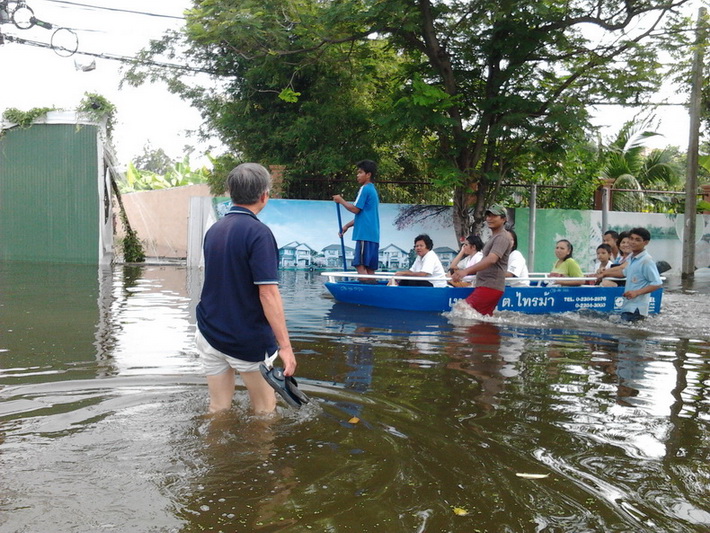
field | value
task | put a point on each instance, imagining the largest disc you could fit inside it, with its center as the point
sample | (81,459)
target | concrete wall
(160,218)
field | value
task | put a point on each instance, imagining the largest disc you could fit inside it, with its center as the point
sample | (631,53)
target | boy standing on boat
(491,270)
(367,219)
(642,277)
(240,317)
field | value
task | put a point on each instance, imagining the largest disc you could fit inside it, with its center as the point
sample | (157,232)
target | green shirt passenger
(565,266)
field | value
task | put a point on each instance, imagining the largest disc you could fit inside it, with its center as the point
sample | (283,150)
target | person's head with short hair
(603,253)
(427,240)
(638,239)
(475,242)
(563,249)
(247,183)
(368,167)
(610,238)
(641,232)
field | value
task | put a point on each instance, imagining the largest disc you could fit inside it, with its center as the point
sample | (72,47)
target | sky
(37,77)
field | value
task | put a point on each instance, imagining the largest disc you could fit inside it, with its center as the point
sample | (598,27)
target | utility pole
(691,182)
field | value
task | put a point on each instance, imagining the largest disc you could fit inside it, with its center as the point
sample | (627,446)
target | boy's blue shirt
(640,272)
(367,221)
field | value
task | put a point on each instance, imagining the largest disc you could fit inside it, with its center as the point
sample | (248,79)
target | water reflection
(103,427)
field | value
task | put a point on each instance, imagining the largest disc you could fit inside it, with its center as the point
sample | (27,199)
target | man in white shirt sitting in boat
(427,264)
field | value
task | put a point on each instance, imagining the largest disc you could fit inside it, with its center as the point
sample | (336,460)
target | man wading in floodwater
(240,317)
(490,271)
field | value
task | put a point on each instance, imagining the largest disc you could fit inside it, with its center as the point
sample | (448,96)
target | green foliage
(24,119)
(178,175)
(221,167)
(462,94)
(289,95)
(98,108)
(632,166)
(153,160)
(132,248)
(704,170)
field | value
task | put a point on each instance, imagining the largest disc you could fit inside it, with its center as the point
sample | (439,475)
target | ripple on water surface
(419,422)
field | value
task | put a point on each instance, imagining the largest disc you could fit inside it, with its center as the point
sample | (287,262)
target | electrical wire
(115,9)
(113,57)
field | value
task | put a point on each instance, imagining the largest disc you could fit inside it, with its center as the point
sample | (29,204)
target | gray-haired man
(240,317)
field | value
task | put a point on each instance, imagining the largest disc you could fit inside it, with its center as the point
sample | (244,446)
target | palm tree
(632,166)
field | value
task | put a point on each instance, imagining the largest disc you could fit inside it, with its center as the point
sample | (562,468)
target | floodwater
(419,422)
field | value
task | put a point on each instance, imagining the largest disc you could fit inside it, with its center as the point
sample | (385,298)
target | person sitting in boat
(602,263)
(469,255)
(642,277)
(611,239)
(427,264)
(624,255)
(490,271)
(517,266)
(565,266)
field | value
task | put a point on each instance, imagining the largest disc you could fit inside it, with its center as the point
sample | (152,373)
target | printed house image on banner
(392,257)
(446,255)
(334,256)
(55,191)
(296,255)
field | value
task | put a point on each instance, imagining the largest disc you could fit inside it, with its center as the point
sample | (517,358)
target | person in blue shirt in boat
(367,219)
(491,270)
(426,264)
(642,277)
(240,317)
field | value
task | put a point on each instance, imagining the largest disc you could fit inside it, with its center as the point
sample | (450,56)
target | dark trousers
(632,317)
(414,283)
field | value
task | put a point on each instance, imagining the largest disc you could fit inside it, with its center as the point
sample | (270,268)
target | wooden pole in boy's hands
(342,241)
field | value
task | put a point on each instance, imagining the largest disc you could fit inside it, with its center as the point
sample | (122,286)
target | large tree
(474,86)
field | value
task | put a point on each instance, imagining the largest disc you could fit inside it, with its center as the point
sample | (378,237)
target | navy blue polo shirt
(240,254)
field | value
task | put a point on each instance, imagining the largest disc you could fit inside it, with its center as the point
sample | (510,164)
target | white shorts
(215,362)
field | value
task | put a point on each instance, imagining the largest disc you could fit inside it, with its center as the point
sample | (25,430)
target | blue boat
(534,300)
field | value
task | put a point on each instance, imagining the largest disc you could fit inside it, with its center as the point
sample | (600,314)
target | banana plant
(179,175)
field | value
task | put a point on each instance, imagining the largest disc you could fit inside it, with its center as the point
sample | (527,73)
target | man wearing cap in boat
(491,270)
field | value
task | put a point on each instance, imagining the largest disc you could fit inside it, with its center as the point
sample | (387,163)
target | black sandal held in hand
(285,386)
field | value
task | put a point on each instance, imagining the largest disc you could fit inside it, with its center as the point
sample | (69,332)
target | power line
(639,104)
(115,9)
(113,57)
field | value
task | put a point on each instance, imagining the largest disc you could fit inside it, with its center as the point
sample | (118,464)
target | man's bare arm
(347,205)
(272,304)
